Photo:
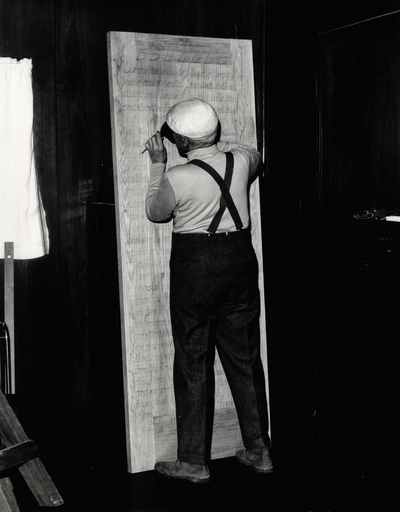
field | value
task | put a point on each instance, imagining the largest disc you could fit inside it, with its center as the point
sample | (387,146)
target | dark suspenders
(226,198)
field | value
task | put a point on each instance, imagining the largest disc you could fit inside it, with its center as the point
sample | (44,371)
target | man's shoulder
(177,169)
(180,172)
(244,150)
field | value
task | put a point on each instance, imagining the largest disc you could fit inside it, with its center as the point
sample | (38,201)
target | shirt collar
(202,152)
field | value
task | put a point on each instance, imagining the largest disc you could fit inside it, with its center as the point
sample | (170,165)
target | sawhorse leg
(8,503)
(23,453)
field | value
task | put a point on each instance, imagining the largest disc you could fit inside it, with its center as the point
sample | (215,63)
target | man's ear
(181,140)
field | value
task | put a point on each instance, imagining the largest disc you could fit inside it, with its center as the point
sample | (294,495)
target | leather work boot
(196,473)
(259,459)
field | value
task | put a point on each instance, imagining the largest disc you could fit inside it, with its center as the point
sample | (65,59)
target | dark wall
(67,331)
(311,328)
(66,311)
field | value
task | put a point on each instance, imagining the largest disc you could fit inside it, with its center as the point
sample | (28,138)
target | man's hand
(156,149)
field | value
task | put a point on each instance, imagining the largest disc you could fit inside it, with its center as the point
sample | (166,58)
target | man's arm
(252,156)
(160,198)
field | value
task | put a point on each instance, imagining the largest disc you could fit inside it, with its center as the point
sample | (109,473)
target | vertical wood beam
(9,306)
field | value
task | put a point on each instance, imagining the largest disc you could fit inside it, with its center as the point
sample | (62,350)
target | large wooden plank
(148,73)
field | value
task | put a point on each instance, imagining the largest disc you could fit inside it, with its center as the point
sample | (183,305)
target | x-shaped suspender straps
(226,198)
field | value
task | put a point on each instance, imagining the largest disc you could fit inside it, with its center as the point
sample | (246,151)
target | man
(214,295)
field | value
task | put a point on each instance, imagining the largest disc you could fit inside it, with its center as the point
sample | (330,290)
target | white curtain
(22,218)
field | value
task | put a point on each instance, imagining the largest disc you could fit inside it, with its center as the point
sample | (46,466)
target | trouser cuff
(260,442)
(191,458)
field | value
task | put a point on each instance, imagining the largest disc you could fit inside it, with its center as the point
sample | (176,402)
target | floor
(89,472)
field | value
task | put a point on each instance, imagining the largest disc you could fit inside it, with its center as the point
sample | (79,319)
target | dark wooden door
(358,361)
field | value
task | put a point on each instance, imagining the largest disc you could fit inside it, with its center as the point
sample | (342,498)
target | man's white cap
(193,118)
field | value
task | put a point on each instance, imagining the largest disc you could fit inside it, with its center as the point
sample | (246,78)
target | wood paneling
(63,331)
(80,150)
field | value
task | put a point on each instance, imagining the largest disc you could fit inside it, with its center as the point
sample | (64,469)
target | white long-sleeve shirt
(190,196)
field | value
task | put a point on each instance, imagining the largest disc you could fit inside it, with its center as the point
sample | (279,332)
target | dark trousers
(215,302)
